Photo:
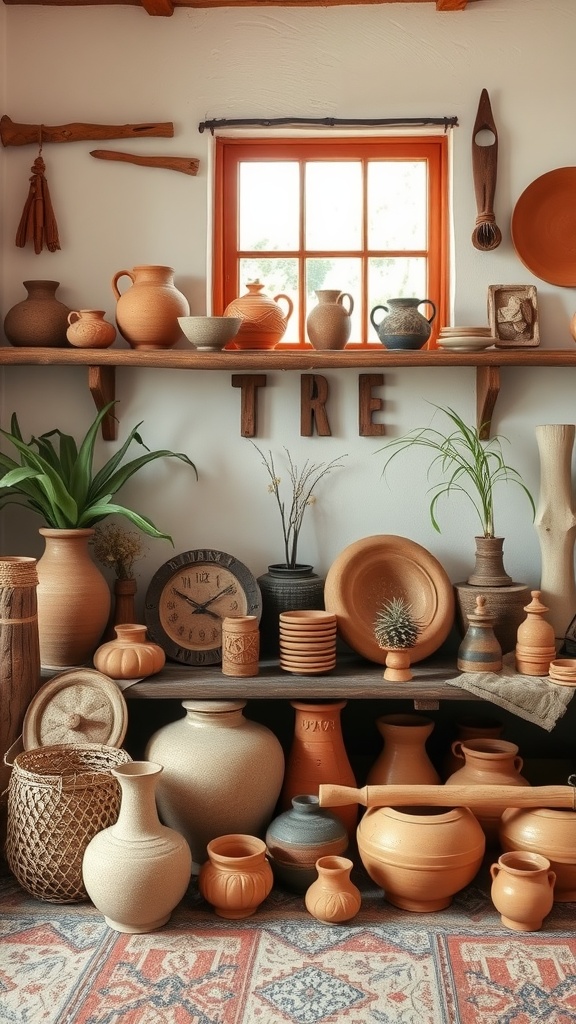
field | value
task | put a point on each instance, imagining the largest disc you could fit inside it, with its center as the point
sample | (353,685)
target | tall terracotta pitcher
(147,312)
(329,324)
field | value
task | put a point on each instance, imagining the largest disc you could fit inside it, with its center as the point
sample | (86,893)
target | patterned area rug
(62,965)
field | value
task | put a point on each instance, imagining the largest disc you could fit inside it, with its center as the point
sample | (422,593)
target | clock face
(188,598)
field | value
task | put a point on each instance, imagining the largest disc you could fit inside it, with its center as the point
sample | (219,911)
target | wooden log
(185,164)
(14,134)
(496,797)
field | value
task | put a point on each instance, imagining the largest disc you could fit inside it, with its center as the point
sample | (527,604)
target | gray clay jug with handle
(404,327)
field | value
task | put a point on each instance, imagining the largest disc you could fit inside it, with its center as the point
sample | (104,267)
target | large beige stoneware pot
(73,599)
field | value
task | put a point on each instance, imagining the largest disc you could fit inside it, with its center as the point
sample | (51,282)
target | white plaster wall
(118,65)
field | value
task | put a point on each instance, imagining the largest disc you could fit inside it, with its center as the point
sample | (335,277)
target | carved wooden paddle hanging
(486,234)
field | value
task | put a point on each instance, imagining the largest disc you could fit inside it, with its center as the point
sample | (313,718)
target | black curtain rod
(327,122)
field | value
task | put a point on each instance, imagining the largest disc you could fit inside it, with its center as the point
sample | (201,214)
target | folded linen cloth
(536,698)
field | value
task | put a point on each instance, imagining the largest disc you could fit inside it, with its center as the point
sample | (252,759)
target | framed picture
(513,315)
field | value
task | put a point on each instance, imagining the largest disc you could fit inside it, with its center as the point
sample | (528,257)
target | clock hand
(230,589)
(198,608)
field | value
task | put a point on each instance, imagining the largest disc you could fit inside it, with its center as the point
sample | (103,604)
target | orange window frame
(231,152)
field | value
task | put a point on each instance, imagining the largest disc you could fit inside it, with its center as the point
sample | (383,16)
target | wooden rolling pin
(187,165)
(498,797)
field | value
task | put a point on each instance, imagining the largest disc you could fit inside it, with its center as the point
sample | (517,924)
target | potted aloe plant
(55,476)
(471,468)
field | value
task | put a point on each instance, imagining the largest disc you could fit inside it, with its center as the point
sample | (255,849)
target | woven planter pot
(59,797)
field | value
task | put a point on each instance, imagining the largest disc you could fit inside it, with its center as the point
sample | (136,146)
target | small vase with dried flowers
(397,631)
(118,549)
(290,585)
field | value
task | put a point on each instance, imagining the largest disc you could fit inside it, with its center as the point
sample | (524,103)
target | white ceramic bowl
(209,333)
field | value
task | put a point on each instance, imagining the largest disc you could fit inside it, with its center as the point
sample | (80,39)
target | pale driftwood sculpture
(556,523)
(170,163)
(14,134)
(497,797)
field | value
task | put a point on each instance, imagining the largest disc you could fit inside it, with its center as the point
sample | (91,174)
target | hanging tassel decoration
(38,223)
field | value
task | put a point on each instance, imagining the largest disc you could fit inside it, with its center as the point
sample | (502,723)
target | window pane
(390,278)
(343,275)
(397,204)
(333,205)
(268,205)
(279,277)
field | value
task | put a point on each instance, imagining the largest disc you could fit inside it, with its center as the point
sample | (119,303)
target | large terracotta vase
(147,312)
(487,762)
(73,599)
(421,856)
(318,755)
(284,589)
(237,876)
(550,832)
(404,757)
(333,897)
(40,320)
(222,773)
(522,890)
(298,837)
(137,870)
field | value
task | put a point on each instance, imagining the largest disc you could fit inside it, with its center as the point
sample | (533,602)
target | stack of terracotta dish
(465,339)
(307,642)
(563,670)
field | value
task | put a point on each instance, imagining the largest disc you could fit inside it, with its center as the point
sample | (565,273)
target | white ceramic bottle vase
(137,870)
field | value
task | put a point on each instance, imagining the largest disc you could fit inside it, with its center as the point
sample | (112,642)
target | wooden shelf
(353,679)
(102,365)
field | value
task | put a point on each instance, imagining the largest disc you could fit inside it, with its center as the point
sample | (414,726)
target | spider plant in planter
(471,468)
(55,477)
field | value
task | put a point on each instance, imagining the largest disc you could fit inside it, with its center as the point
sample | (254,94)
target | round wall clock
(190,595)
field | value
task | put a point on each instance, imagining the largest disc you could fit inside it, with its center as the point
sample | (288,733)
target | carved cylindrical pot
(240,645)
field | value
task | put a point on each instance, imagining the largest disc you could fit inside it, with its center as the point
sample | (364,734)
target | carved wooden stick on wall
(14,134)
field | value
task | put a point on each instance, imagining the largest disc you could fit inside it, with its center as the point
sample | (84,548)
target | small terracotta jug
(487,762)
(522,890)
(263,320)
(131,655)
(404,757)
(329,324)
(88,329)
(404,327)
(549,831)
(237,876)
(333,897)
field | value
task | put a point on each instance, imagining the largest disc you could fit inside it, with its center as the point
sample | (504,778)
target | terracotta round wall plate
(376,569)
(77,706)
(543,227)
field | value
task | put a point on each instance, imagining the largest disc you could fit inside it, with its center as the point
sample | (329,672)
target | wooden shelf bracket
(102,384)
(487,391)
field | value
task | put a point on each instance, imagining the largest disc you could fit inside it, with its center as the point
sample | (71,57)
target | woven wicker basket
(59,797)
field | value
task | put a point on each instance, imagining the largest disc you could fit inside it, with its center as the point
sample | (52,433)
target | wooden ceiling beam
(158,8)
(165,8)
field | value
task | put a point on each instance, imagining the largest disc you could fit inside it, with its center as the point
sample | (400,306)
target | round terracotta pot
(88,329)
(522,890)
(39,320)
(237,876)
(420,856)
(131,655)
(487,762)
(333,897)
(73,599)
(550,832)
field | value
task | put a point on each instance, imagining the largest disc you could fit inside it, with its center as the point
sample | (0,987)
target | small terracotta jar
(237,876)
(535,640)
(487,762)
(333,897)
(88,329)
(404,757)
(131,655)
(240,646)
(550,832)
(522,890)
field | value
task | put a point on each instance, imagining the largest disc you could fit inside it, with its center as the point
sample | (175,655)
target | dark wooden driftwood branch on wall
(14,134)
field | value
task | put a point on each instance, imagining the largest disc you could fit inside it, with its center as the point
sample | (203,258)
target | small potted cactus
(397,630)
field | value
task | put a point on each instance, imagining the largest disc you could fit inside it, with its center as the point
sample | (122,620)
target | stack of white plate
(307,642)
(465,339)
